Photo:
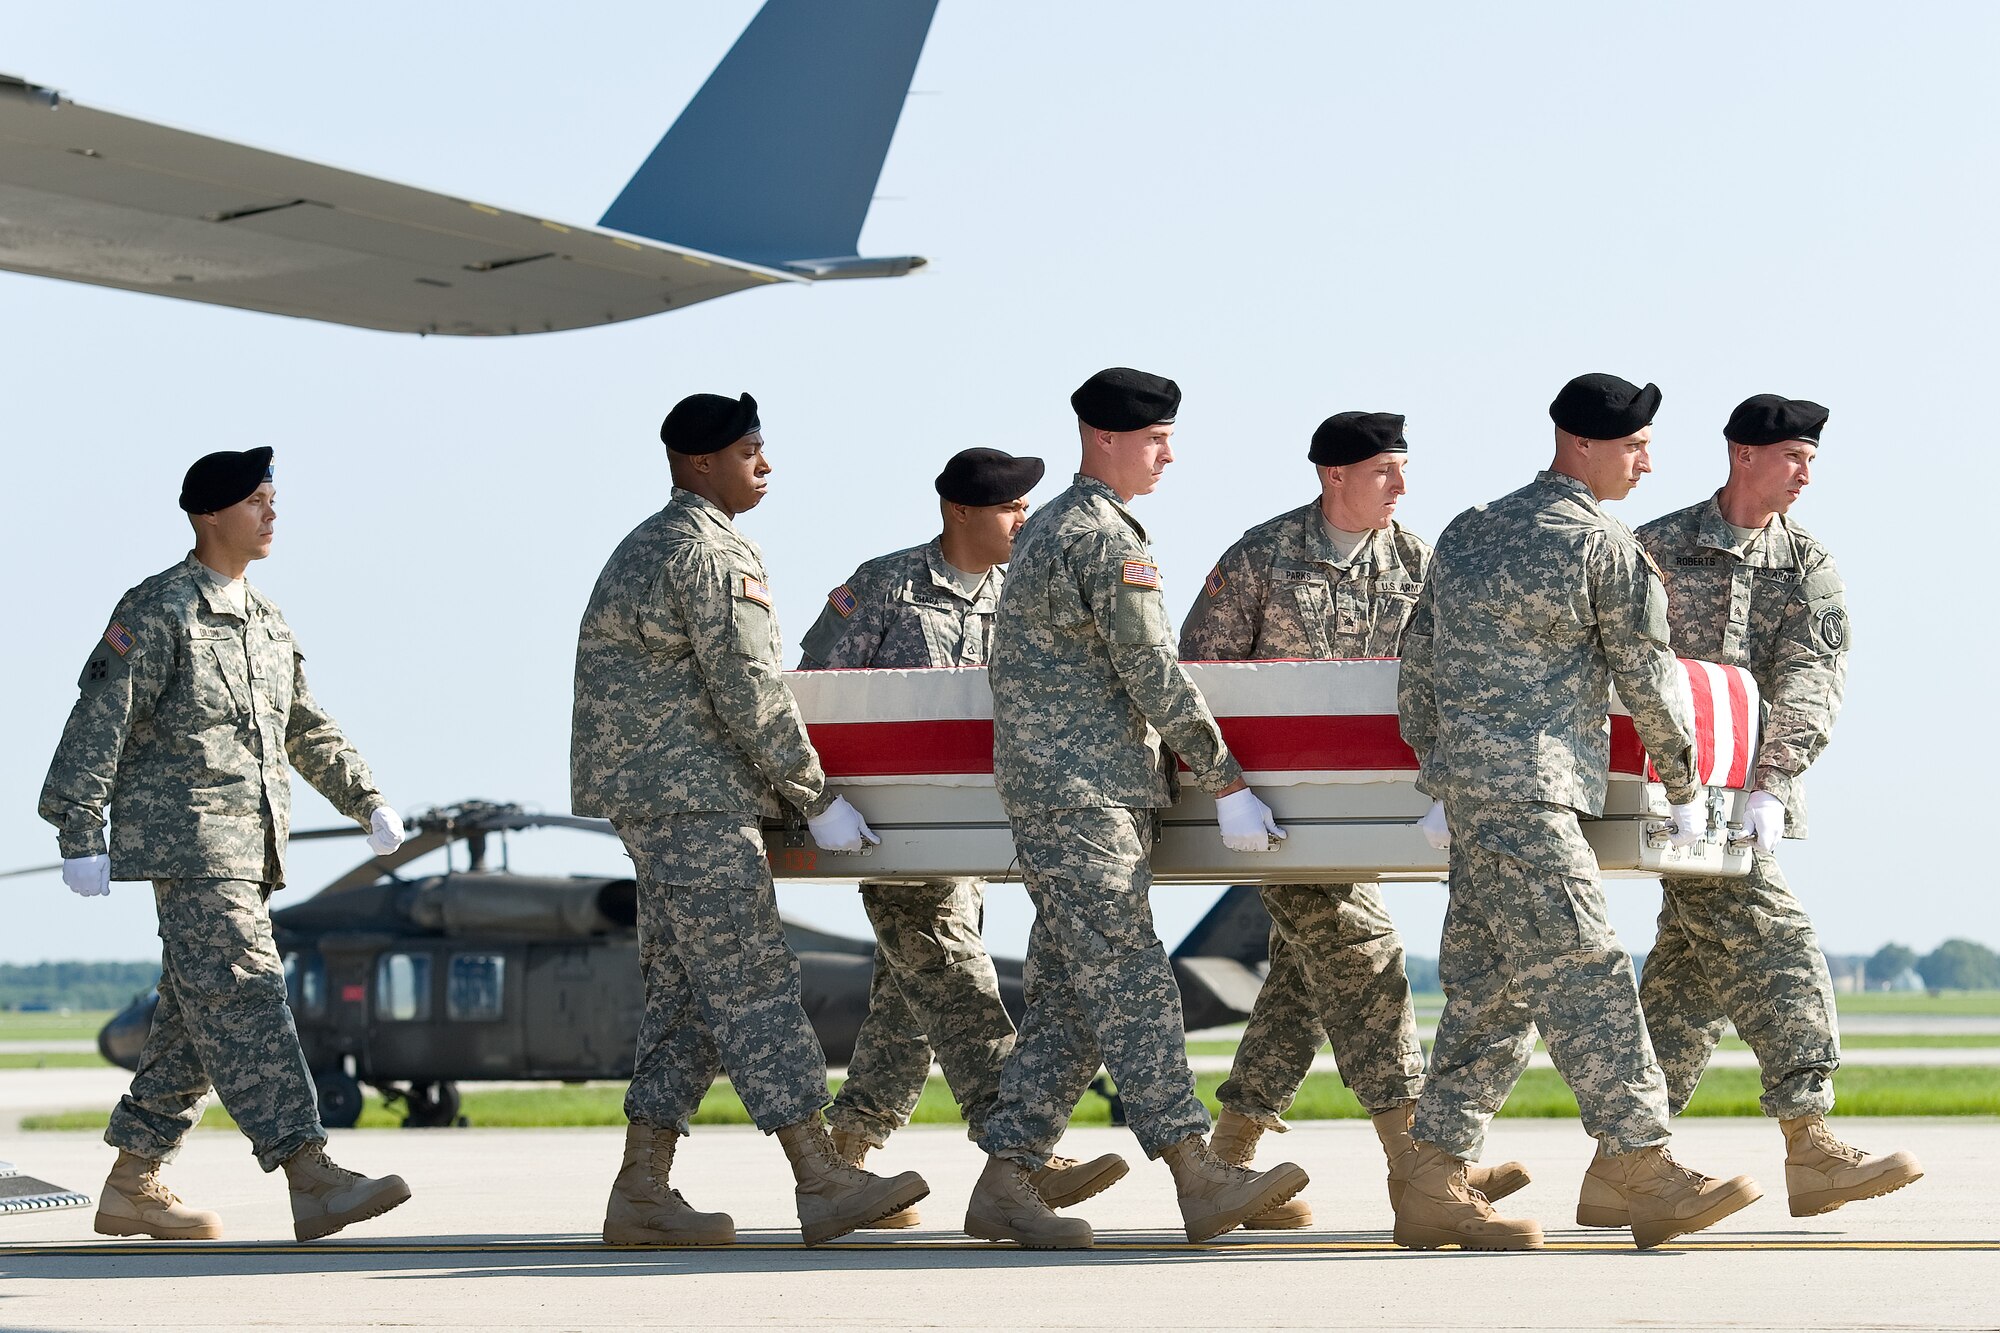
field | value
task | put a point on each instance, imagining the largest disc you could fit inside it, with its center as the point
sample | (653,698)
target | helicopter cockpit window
(474,987)
(305,983)
(403,987)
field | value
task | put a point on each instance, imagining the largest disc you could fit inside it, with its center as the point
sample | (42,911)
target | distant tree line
(1953,965)
(74,985)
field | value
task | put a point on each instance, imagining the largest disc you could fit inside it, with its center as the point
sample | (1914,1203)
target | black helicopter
(415,985)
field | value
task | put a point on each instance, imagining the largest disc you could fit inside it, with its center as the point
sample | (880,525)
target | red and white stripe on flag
(1286,721)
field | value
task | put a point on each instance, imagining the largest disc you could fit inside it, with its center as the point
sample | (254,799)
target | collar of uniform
(210,583)
(698,504)
(1092,486)
(941,571)
(1771,548)
(1316,545)
(1573,486)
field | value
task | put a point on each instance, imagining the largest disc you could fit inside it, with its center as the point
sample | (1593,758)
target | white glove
(1436,832)
(1690,822)
(840,828)
(385,831)
(88,876)
(1247,825)
(1767,820)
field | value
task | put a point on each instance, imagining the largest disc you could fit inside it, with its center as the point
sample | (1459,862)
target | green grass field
(1864,1091)
(52,1060)
(78,1026)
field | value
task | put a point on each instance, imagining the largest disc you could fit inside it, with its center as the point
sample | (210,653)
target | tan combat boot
(1437,1208)
(833,1197)
(1006,1206)
(1235,1142)
(1822,1173)
(1216,1196)
(1393,1128)
(646,1210)
(326,1197)
(1658,1197)
(135,1202)
(1065,1181)
(853,1149)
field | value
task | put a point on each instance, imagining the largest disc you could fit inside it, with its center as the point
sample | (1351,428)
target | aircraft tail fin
(776,158)
(1237,927)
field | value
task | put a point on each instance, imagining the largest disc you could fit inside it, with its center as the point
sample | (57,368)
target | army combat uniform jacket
(680,706)
(1506,697)
(904,610)
(1283,591)
(1086,682)
(1774,605)
(187,717)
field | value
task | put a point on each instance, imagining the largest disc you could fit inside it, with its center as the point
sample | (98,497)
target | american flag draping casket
(913,749)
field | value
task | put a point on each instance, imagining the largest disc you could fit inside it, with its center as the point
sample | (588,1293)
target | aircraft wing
(106,199)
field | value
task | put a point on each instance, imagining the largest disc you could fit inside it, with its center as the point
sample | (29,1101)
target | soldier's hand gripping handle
(87,876)
(1247,823)
(1436,831)
(1690,821)
(1767,820)
(840,828)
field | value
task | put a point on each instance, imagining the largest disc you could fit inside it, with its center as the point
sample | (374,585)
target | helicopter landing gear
(340,1097)
(429,1105)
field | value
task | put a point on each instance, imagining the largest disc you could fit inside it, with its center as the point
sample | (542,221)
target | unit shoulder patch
(1830,624)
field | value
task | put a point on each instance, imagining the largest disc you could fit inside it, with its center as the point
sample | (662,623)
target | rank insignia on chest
(755,591)
(1142,574)
(119,638)
(842,600)
(1212,585)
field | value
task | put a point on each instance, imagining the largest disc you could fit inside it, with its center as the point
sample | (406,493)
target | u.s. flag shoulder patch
(1212,585)
(120,639)
(1142,574)
(755,591)
(842,599)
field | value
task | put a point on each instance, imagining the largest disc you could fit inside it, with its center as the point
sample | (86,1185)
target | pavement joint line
(196,1249)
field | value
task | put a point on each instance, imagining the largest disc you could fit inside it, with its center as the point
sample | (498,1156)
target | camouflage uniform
(1743,951)
(189,721)
(1535,604)
(685,736)
(1089,707)
(1336,961)
(932,972)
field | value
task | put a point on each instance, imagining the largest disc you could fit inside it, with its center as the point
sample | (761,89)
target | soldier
(1749,587)
(685,736)
(1535,605)
(192,704)
(933,988)
(1336,577)
(1090,706)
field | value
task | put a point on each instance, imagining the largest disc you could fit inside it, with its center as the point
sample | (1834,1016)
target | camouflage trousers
(933,992)
(222,1022)
(722,984)
(1336,975)
(1099,988)
(1527,945)
(1742,952)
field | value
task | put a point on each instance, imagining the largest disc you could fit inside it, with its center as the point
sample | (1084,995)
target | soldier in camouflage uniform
(1535,605)
(193,711)
(1089,707)
(686,737)
(1748,587)
(1336,577)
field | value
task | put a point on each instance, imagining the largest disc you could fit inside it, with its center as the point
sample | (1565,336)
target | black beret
(1604,407)
(988,477)
(217,481)
(1350,437)
(1769,418)
(707,423)
(1122,399)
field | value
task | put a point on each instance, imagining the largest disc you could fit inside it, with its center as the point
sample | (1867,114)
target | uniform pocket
(1139,616)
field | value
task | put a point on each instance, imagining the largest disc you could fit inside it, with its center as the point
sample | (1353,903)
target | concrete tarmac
(502,1234)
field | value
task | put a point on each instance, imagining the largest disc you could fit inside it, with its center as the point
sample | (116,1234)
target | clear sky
(1293,209)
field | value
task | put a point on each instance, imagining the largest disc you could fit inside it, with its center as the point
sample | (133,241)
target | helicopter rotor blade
(31,870)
